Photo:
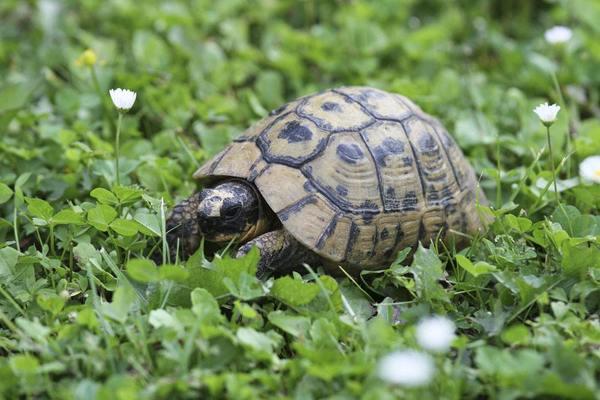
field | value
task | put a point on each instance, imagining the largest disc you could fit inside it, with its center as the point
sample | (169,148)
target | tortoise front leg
(280,252)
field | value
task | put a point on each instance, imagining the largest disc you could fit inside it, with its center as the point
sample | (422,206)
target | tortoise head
(231,210)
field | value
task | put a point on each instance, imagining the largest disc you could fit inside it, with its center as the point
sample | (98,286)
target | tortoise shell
(355,174)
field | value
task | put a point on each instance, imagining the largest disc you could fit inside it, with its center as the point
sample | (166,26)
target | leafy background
(84,313)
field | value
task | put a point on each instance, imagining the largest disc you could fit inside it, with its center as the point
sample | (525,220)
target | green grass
(84,313)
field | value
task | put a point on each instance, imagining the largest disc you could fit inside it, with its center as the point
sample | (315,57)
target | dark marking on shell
(463,221)
(389,147)
(422,232)
(369,206)
(428,145)
(327,232)
(213,166)
(254,172)
(331,106)
(399,236)
(360,98)
(364,95)
(409,202)
(254,137)
(407,161)
(325,125)
(418,166)
(293,132)
(309,187)
(432,195)
(354,231)
(341,190)
(278,110)
(377,170)
(374,241)
(350,153)
(391,201)
(448,143)
(285,213)
(294,162)
(384,234)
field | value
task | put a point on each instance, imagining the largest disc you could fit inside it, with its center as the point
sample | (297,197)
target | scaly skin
(183,232)
(279,253)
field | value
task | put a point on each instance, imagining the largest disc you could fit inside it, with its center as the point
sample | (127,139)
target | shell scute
(380,104)
(334,112)
(292,141)
(344,173)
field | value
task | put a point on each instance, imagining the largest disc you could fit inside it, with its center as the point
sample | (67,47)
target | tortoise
(347,177)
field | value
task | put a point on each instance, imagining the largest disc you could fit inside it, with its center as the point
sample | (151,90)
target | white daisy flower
(407,367)
(547,113)
(558,35)
(589,169)
(435,333)
(123,99)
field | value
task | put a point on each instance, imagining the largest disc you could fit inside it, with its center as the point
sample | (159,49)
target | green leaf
(8,261)
(205,307)
(257,341)
(124,299)
(577,260)
(174,273)
(296,326)
(150,50)
(479,268)
(125,227)
(246,287)
(163,319)
(427,271)
(506,366)
(516,335)
(101,216)
(50,302)
(39,208)
(294,292)
(67,217)
(104,196)
(518,223)
(14,96)
(84,252)
(127,194)
(24,364)
(5,193)
(34,330)
(576,224)
(143,270)
(149,223)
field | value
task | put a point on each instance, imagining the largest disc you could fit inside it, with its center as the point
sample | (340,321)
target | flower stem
(498,176)
(552,163)
(561,100)
(118,180)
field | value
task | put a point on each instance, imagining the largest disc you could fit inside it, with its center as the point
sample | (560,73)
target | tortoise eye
(232,211)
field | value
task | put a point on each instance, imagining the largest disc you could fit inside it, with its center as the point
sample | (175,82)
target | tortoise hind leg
(280,252)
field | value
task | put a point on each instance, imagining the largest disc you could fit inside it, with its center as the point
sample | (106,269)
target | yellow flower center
(87,59)
(597,172)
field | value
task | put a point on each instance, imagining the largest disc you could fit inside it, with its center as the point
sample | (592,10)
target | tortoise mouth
(183,238)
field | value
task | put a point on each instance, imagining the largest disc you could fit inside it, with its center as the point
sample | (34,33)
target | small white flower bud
(123,99)
(547,113)
(407,367)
